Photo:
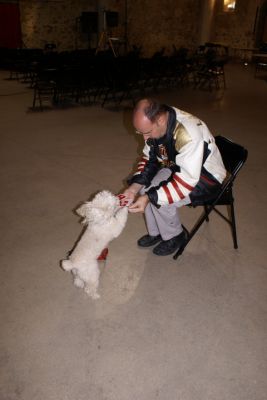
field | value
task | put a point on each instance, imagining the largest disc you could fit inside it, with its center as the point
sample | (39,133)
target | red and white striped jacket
(189,150)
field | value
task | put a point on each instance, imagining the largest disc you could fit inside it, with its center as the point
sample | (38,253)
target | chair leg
(40,101)
(233,225)
(206,213)
(181,249)
(34,98)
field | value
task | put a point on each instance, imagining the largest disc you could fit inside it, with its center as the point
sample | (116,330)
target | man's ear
(160,120)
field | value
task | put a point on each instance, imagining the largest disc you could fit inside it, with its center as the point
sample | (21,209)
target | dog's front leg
(119,221)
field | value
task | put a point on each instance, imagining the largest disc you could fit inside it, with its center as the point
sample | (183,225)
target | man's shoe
(167,247)
(147,240)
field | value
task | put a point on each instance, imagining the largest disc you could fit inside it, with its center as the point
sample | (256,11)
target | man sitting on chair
(181,164)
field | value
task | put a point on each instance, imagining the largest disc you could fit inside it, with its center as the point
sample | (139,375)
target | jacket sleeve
(182,182)
(147,167)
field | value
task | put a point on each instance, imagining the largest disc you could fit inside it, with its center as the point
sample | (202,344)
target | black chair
(234,157)
(44,88)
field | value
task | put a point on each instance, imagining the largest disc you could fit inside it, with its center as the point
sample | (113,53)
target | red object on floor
(103,255)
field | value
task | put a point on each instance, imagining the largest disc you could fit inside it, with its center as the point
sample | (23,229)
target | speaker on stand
(110,20)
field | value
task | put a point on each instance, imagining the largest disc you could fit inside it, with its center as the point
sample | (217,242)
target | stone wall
(235,29)
(58,22)
(166,23)
(150,25)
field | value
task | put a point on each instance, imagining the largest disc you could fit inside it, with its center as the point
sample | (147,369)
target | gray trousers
(164,221)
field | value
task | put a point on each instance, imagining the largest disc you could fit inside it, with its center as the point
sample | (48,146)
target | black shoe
(147,240)
(167,247)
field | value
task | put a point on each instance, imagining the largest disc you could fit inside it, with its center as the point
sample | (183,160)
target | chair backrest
(234,155)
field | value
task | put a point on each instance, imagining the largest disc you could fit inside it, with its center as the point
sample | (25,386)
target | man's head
(150,119)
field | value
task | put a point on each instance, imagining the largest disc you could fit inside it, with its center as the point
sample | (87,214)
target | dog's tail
(66,265)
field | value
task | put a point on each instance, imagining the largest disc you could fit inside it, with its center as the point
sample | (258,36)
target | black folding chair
(234,157)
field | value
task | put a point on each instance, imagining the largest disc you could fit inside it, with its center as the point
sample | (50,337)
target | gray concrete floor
(191,329)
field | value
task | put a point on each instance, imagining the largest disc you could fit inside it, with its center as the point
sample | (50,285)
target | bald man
(181,165)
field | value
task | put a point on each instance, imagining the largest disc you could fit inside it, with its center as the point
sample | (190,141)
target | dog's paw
(92,292)
(95,296)
(78,282)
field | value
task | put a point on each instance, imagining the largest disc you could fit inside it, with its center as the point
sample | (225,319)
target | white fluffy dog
(105,220)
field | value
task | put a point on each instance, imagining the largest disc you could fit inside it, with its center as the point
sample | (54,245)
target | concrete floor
(191,329)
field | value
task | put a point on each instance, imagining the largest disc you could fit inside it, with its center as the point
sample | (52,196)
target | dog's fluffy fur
(105,220)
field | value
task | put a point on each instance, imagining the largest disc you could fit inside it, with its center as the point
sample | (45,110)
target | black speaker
(89,22)
(112,19)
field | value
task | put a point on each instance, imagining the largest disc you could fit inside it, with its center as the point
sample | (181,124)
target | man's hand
(128,196)
(139,205)
(132,190)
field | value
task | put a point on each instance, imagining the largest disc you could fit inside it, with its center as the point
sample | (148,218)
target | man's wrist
(134,188)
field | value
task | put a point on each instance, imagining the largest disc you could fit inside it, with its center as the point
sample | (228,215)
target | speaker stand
(104,42)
